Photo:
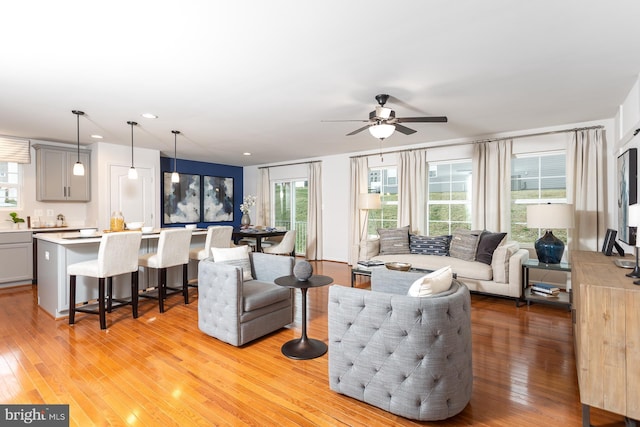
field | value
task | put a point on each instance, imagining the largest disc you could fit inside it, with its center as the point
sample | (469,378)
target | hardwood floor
(161,370)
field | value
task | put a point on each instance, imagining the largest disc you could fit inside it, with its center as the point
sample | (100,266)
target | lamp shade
(633,219)
(382,131)
(368,201)
(550,216)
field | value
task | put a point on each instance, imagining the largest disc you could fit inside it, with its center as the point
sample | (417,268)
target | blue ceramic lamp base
(549,248)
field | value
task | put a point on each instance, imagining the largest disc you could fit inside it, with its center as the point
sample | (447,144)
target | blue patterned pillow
(427,245)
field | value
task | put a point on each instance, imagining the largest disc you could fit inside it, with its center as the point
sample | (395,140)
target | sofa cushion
(257,294)
(500,261)
(463,269)
(238,256)
(432,283)
(428,245)
(464,244)
(394,240)
(369,248)
(487,245)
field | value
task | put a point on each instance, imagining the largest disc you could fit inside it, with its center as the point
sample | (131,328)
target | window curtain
(586,182)
(263,208)
(15,150)
(314,210)
(491,200)
(412,191)
(359,184)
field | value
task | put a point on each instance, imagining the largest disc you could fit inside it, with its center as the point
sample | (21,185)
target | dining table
(255,233)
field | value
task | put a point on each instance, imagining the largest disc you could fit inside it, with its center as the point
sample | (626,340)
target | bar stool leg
(109,294)
(101,307)
(134,293)
(72,300)
(162,289)
(185,285)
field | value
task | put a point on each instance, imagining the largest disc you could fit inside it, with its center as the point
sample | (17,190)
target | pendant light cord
(78,128)
(132,125)
(175,149)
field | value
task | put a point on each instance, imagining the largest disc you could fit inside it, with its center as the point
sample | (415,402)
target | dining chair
(286,247)
(173,250)
(117,254)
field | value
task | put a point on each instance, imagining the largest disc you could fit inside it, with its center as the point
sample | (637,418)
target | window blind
(15,150)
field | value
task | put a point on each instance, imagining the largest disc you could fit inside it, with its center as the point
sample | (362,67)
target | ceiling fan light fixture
(383,112)
(381,130)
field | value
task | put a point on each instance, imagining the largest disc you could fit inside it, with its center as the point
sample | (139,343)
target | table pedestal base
(302,349)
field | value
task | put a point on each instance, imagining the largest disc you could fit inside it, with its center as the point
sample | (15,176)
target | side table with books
(534,291)
(363,268)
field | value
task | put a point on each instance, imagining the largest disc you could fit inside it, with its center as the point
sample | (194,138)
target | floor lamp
(366,202)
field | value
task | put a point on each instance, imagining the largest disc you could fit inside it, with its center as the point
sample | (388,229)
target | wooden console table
(607,336)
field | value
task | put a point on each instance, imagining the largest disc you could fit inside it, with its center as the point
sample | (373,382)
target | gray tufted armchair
(409,356)
(237,312)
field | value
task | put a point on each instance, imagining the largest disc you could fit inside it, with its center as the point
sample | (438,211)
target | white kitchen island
(58,250)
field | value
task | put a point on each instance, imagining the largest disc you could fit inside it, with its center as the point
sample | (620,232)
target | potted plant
(15,219)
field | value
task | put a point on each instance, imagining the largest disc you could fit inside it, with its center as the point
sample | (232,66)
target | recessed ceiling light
(96,136)
(149,116)
(246,154)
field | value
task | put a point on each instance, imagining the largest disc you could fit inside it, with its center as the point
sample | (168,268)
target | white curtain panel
(263,208)
(491,199)
(585,189)
(412,191)
(359,184)
(314,220)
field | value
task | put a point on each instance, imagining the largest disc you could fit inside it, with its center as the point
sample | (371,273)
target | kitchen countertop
(71,238)
(39,229)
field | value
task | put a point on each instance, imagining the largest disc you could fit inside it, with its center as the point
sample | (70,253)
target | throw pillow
(433,283)
(487,245)
(500,261)
(394,240)
(464,244)
(426,245)
(238,256)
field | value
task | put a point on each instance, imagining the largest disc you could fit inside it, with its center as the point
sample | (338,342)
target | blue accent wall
(204,169)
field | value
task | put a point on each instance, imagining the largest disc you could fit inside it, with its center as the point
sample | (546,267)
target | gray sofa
(237,312)
(407,355)
(503,277)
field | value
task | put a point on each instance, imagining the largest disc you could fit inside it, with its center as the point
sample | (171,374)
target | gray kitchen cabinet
(55,180)
(16,257)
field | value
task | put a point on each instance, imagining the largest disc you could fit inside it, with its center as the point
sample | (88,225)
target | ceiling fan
(383,121)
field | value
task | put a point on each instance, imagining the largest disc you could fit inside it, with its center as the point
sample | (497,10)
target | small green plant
(15,218)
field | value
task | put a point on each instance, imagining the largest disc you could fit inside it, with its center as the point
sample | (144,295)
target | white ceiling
(260,76)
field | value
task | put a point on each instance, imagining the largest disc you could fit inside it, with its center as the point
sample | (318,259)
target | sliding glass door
(289,204)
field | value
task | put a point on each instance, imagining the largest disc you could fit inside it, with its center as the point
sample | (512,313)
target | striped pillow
(427,245)
(464,244)
(394,240)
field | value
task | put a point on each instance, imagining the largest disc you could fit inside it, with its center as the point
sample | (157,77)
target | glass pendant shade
(133,173)
(382,131)
(175,177)
(78,168)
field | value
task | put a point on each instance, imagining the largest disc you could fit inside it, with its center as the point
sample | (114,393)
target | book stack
(545,290)
(370,264)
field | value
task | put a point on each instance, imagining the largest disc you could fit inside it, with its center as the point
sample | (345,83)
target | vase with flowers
(246,204)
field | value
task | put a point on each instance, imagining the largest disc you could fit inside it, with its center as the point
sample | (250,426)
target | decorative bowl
(400,266)
(88,231)
(134,225)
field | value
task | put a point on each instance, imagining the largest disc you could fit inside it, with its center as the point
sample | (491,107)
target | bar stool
(117,254)
(218,236)
(173,250)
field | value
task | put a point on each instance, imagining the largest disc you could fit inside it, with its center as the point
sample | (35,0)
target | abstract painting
(181,199)
(217,199)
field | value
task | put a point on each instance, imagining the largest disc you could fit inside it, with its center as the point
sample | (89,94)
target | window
(449,199)
(10,185)
(385,182)
(290,204)
(535,179)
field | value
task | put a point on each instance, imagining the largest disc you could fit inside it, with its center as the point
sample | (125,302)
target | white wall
(336,177)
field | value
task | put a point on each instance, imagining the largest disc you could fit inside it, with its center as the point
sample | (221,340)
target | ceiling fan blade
(434,119)
(358,130)
(333,121)
(403,129)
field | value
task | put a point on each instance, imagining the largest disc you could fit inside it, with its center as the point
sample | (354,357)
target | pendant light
(78,168)
(175,177)
(133,173)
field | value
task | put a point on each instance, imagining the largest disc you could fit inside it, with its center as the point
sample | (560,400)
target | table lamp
(366,202)
(548,247)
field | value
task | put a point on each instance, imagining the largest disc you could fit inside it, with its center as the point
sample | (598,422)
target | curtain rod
(290,164)
(484,140)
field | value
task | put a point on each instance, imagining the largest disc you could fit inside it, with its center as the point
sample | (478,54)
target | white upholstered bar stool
(117,254)
(218,236)
(173,250)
